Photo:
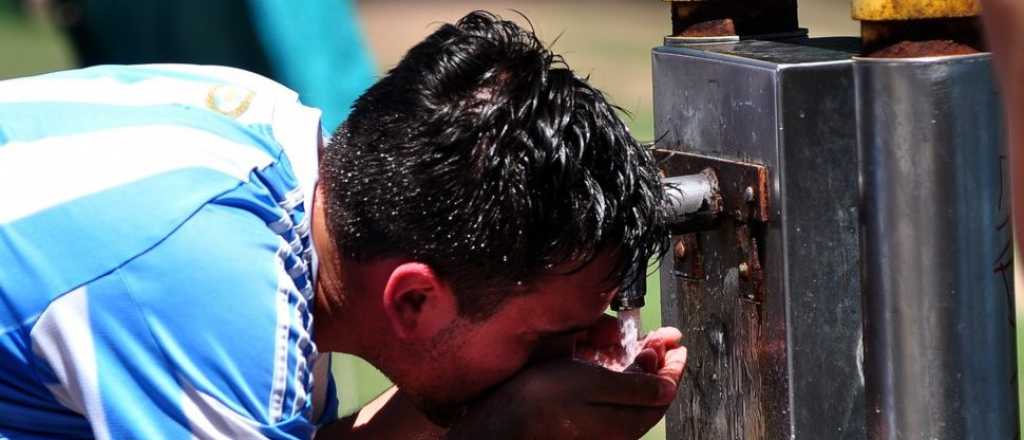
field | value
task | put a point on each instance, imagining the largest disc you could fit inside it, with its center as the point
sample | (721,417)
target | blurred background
(607,40)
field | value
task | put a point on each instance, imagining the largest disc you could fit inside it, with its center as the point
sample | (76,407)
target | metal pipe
(689,196)
(939,350)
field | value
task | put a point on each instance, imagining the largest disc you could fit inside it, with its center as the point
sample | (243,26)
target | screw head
(748,194)
(744,270)
(680,249)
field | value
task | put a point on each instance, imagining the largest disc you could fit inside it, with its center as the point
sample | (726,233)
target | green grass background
(616,57)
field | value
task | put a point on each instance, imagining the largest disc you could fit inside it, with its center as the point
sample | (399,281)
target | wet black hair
(484,156)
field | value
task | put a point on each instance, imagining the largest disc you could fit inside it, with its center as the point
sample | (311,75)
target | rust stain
(690,264)
(680,249)
(752,260)
(919,49)
(922,38)
(761,197)
(880,10)
(712,28)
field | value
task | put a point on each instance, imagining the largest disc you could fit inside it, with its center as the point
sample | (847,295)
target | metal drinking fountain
(855,281)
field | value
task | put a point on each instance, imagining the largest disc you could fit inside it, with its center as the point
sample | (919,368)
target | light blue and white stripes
(156,265)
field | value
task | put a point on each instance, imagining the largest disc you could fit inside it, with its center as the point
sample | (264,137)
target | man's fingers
(628,388)
(667,337)
(675,362)
(648,361)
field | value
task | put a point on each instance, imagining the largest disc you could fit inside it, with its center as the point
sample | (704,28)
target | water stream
(629,327)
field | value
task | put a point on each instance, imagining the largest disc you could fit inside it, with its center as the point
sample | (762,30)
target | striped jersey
(156,264)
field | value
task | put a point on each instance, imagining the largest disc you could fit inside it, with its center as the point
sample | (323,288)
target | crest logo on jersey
(229,100)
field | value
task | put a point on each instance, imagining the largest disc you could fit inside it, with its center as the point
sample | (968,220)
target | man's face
(469,357)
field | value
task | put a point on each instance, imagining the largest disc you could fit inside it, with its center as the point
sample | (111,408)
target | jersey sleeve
(206,335)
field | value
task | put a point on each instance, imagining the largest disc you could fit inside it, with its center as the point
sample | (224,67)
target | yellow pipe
(883,10)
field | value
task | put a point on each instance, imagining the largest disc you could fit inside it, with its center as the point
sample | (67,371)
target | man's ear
(417,302)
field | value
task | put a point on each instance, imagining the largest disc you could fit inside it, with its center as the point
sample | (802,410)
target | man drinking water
(180,248)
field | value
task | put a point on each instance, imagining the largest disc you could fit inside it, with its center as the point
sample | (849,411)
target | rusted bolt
(748,194)
(744,270)
(680,249)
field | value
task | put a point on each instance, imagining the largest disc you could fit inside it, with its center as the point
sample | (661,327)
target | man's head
(483,200)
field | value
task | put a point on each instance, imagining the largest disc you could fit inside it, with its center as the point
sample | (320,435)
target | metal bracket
(743,186)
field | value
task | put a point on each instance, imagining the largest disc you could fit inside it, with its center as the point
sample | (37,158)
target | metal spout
(686,196)
(631,295)
(692,202)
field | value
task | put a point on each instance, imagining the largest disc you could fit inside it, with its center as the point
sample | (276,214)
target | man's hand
(572,399)
(602,345)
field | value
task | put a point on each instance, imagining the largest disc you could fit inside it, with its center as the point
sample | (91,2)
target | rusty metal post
(918,28)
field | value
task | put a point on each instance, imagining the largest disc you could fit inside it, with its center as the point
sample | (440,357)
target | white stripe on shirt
(279,381)
(45,173)
(62,337)
(208,418)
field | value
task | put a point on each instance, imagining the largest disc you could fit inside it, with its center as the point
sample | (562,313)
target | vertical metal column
(768,304)
(940,357)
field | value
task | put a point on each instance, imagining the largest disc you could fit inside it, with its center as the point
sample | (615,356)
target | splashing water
(629,328)
(621,357)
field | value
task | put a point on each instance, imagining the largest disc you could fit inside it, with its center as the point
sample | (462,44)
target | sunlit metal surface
(940,358)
